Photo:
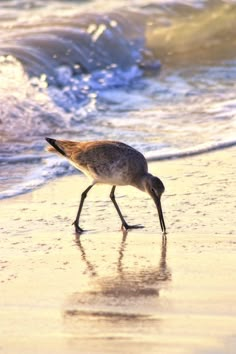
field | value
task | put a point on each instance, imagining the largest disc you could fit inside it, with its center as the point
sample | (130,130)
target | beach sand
(107,292)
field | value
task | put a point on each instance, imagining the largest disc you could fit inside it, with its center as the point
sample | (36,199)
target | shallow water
(155,296)
(157,75)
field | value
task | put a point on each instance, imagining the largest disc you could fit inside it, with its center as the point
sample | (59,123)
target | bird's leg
(112,196)
(76,222)
(124,223)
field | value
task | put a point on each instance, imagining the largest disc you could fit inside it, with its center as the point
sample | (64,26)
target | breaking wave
(159,76)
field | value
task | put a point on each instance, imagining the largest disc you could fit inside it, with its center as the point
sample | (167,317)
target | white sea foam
(129,74)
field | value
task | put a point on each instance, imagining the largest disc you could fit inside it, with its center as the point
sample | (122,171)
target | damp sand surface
(109,292)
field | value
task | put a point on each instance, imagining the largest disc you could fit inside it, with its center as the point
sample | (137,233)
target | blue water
(157,75)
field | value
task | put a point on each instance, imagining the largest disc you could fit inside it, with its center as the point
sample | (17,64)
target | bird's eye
(156,192)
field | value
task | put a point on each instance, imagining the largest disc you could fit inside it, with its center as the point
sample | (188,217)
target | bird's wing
(109,157)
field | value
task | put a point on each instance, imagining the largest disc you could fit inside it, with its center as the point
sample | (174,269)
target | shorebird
(114,163)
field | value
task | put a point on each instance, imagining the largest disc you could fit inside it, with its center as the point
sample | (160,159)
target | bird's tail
(63,147)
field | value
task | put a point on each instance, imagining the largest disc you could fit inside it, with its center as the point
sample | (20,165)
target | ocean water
(158,75)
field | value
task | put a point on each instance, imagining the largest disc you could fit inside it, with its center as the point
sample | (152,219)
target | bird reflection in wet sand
(89,265)
(129,291)
(146,282)
(160,273)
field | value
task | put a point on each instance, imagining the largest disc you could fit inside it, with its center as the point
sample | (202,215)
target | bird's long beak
(157,201)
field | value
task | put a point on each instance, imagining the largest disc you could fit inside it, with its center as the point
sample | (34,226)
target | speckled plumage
(109,162)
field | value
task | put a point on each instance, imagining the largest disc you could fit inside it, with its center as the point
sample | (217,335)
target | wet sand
(107,292)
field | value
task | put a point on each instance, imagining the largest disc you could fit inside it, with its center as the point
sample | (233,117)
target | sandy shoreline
(106,293)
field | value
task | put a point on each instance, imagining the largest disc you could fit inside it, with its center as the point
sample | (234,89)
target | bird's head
(155,188)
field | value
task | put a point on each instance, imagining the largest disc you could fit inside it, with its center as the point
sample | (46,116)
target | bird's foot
(128,227)
(78,229)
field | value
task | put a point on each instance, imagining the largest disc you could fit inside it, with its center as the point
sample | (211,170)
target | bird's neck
(144,182)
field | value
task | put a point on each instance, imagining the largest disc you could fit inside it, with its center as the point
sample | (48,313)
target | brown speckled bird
(114,163)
